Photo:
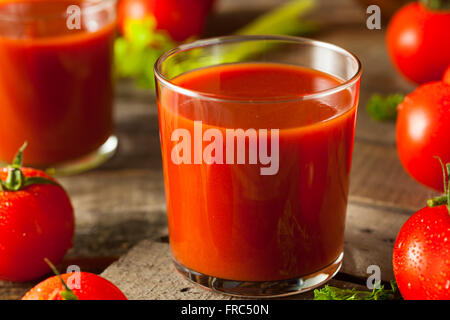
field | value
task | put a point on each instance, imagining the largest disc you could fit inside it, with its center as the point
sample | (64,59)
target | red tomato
(421,258)
(418,42)
(181,18)
(91,287)
(36,222)
(423,132)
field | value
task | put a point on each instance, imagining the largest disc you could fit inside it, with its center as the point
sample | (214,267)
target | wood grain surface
(121,204)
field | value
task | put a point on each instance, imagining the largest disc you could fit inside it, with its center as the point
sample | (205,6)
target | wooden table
(122,203)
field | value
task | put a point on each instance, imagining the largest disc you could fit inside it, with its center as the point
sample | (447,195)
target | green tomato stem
(16,180)
(447,191)
(437,201)
(444,199)
(67,293)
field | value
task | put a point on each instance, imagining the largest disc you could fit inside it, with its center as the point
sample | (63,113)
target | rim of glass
(86,6)
(243,38)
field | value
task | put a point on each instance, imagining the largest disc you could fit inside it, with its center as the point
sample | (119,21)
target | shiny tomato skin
(423,132)
(92,287)
(417,42)
(35,223)
(182,19)
(421,257)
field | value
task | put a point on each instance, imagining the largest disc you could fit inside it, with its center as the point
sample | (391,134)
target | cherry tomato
(181,18)
(36,222)
(421,257)
(423,132)
(418,42)
(91,287)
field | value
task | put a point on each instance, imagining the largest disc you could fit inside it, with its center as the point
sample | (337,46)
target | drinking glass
(56,86)
(256,137)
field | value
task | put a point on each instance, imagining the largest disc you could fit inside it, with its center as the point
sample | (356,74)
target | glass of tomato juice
(56,85)
(256,136)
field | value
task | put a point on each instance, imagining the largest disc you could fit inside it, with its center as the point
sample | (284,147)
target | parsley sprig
(384,108)
(333,293)
(137,51)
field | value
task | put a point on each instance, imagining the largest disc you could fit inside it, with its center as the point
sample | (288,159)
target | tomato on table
(36,222)
(423,132)
(418,42)
(421,257)
(91,287)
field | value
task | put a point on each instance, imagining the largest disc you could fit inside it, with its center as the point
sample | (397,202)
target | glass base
(264,289)
(88,161)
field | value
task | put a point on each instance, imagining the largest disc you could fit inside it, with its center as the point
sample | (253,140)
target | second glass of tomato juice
(256,136)
(56,85)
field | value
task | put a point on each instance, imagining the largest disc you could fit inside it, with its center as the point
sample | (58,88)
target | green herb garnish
(333,293)
(137,51)
(384,108)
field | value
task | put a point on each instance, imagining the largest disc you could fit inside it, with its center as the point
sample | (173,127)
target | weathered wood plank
(147,273)
(114,212)
(14,293)
(378,178)
(369,240)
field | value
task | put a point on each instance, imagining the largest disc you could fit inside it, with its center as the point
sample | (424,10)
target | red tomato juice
(56,86)
(228,220)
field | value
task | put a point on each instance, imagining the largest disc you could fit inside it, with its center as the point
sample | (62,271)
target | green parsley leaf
(136,52)
(384,108)
(333,293)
